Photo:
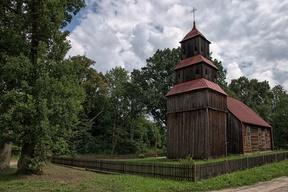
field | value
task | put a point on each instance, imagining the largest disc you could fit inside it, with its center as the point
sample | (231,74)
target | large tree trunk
(28,164)
(5,155)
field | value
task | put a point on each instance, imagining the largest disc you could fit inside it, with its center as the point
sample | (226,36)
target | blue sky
(249,37)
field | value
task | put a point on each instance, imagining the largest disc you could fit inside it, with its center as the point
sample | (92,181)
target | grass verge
(164,160)
(60,179)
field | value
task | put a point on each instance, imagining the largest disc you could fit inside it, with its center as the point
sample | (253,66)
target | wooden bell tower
(196,106)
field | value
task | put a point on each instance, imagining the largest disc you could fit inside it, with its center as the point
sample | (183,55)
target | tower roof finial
(194,18)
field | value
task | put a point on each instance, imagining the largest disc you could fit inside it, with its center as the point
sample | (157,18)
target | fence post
(100,165)
(123,167)
(153,169)
(194,170)
(247,164)
(226,166)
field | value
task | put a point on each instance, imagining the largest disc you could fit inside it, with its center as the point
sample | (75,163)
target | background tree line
(50,104)
(140,96)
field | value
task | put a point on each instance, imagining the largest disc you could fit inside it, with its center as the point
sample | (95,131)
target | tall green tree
(155,80)
(255,94)
(221,75)
(40,92)
(118,79)
(113,120)
(280,116)
(89,136)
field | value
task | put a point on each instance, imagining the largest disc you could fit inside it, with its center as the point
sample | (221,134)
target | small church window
(206,71)
(183,50)
(197,70)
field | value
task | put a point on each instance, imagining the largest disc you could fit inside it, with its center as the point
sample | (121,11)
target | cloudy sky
(250,37)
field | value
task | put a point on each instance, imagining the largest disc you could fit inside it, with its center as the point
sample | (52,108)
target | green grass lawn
(164,160)
(58,178)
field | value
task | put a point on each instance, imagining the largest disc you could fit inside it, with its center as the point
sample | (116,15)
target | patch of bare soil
(276,185)
(61,174)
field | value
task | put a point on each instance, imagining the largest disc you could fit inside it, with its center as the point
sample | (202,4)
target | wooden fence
(179,171)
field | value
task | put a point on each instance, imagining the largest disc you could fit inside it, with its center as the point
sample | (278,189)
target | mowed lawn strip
(164,160)
(59,178)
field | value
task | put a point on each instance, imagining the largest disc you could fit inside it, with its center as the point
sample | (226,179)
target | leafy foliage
(114,120)
(280,116)
(49,104)
(40,95)
(255,94)
(155,80)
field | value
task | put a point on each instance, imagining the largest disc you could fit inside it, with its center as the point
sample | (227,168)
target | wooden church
(202,120)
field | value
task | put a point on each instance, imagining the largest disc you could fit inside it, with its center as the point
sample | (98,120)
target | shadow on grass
(9,174)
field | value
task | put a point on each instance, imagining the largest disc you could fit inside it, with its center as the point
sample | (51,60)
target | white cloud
(250,37)
(282,65)
(265,75)
(285,85)
(233,71)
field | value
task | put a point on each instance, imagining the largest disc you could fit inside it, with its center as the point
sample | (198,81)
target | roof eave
(208,88)
(181,67)
(186,39)
(256,124)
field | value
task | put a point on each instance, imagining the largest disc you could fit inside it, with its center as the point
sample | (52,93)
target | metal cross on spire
(194,18)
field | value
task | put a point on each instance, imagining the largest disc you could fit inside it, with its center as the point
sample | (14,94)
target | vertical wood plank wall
(196,71)
(196,124)
(217,133)
(234,134)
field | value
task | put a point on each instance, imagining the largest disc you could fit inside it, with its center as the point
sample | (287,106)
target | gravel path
(276,185)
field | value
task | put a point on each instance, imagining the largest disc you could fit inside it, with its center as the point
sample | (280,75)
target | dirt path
(275,185)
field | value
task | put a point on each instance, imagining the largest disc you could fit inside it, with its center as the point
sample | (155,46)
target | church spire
(194,18)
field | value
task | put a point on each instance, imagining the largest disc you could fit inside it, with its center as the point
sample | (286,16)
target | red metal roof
(195,85)
(244,113)
(194,60)
(193,33)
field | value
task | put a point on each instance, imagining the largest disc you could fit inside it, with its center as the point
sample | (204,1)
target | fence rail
(191,172)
